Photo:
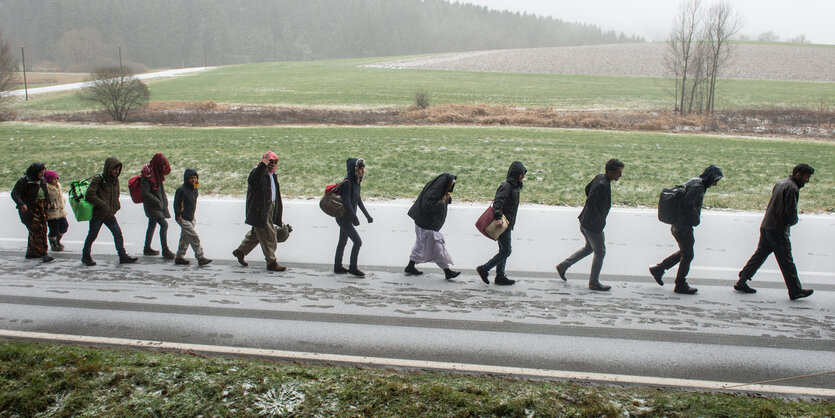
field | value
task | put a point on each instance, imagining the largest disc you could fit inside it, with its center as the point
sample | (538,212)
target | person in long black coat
(32,199)
(592,221)
(429,213)
(505,203)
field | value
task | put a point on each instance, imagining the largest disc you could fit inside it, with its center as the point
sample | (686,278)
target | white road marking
(421,364)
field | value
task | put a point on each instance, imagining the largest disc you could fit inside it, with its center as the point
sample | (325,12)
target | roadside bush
(422,99)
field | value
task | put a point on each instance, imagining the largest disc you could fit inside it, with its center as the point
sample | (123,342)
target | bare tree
(721,25)
(768,36)
(117,90)
(682,46)
(8,70)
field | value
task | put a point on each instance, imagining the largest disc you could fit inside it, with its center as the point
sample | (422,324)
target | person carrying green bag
(103,193)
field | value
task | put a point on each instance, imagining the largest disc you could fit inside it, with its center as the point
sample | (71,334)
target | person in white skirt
(429,212)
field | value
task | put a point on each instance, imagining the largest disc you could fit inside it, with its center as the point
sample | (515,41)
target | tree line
(79,35)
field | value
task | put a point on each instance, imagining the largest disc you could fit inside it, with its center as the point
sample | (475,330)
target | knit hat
(50,175)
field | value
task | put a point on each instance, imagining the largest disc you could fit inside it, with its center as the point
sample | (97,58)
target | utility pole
(121,69)
(204,57)
(25,85)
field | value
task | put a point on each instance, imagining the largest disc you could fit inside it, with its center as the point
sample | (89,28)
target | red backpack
(135,189)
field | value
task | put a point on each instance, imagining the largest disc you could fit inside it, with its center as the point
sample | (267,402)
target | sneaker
(600,287)
(240,256)
(88,261)
(47,258)
(449,274)
(149,251)
(203,261)
(167,254)
(742,287)
(483,274)
(411,270)
(126,259)
(274,266)
(657,272)
(561,269)
(181,261)
(356,272)
(685,289)
(504,281)
(340,270)
(803,293)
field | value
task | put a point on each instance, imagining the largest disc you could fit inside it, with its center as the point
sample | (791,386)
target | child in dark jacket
(185,203)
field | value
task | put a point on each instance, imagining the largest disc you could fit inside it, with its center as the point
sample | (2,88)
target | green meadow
(347,83)
(402,159)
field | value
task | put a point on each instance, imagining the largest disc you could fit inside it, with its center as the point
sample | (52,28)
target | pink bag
(486,224)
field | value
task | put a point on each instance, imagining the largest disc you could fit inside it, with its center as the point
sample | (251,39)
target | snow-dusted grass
(402,159)
(56,380)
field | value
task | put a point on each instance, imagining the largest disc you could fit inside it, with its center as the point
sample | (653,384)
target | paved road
(639,328)
(75,86)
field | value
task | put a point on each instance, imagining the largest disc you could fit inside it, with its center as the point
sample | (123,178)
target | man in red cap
(263,212)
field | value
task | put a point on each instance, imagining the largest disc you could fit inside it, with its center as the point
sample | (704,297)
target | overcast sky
(652,18)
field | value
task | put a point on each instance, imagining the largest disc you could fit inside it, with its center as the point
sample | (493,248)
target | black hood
(187,174)
(514,171)
(710,175)
(351,169)
(109,165)
(33,171)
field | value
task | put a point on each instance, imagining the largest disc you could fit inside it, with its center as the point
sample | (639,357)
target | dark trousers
(595,243)
(347,230)
(57,227)
(776,242)
(500,259)
(113,226)
(684,256)
(163,232)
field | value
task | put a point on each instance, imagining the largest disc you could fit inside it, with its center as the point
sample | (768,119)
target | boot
(561,268)
(449,274)
(202,261)
(274,266)
(340,270)
(504,281)
(58,241)
(410,269)
(47,258)
(126,259)
(240,256)
(167,254)
(599,287)
(802,294)
(483,273)
(181,261)
(685,289)
(356,272)
(88,260)
(657,272)
(53,244)
(149,251)
(742,286)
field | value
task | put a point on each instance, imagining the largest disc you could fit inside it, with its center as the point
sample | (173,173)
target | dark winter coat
(781,213)
(598,203)
(351,192)
(259,197)
(103,191)
(694,194)
(429,210)
(506,201)
(25,191)
(185,198)
(155,202)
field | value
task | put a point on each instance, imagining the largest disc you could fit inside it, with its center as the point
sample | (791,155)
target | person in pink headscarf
(155,203)
(263,212)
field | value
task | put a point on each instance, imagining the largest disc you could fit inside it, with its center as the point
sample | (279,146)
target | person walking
(429,213)
(32,200)
(592,221)
(691,211)
(505,203)
(56,217)
(185,204)
(103,193)
(351,190)
(775,232)
(263,212)
(155,203)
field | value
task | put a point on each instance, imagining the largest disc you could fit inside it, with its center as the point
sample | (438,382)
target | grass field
(402,159)
(346,83)
(55,380)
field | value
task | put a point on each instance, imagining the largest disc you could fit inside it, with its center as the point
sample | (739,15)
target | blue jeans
(500,259)
(163,232)
(95,226)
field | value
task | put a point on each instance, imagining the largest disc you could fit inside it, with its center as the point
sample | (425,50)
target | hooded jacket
(781,213)
(151,183)
(598,203)
(694,194)
(57,209)
(351,195)
(185,198)
(25,191)
(259,197)
(429,210)
(506,201)
(103,191)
